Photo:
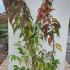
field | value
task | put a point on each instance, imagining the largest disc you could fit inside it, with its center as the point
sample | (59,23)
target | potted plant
(32,55)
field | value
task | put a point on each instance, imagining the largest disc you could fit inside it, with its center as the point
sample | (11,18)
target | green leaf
(13,57)
(22,68)
(20,50)
(21,34)
(28,68)
(15,67)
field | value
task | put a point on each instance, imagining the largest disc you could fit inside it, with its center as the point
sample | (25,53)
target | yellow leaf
(58,46)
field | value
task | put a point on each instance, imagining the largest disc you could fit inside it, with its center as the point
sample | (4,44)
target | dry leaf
(58,46)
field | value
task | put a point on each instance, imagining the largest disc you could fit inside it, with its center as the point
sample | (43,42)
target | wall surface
(2,9)
(62,13)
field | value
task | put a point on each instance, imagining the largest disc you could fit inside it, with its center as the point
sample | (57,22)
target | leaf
(22,68)
(45,30)
(13,57)
(56,31)
(58,46)
(15,67)
(28,68)
(41,36)
(55,22)
(20,50)
(34,34)
(21,34)
(50,39)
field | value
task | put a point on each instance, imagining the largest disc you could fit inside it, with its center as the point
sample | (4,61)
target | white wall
(2,9)
(61,13)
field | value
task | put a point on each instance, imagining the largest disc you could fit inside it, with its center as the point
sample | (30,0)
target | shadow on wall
(68,45)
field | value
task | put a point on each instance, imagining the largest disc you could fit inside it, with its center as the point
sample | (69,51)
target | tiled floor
(67,66)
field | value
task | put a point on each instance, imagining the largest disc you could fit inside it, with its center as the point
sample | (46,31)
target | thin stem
(53,44)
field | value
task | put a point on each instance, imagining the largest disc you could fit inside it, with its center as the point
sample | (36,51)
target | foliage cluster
(32,55)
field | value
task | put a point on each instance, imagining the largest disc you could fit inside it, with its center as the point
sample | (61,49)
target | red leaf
(44,7)
(44,28)
(41,15)
(50,39)
(50,10)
